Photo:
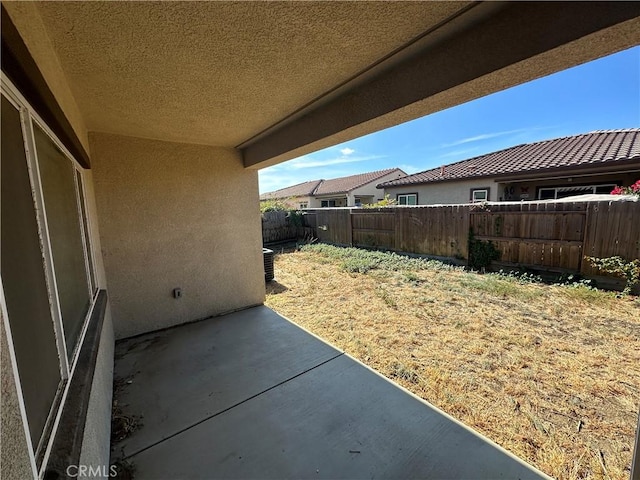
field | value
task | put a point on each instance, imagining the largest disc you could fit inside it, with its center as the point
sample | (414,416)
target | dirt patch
(551,373)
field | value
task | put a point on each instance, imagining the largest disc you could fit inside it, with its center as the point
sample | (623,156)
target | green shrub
(481,253)
(629,270)
(385,202)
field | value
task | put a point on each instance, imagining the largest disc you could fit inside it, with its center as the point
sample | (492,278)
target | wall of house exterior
(529,190)
(95,448)
(295,202)
(175,216)
(29,23)
(371,190)
(340,199)
(96,442)
(14,454)
(445,192)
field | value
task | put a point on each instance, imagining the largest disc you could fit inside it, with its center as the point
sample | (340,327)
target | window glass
(24,280)
(547,193)
(85,228)
(57,176)
(410,199)
(480,195)
(604,189)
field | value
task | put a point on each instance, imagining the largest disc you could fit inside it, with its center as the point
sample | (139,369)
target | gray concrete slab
(339,420)
(178,377)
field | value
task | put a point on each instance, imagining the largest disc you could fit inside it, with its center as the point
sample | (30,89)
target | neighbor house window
(304,205)
(479,195)
(328,203)
(552,193)
(407,199)
(46,264)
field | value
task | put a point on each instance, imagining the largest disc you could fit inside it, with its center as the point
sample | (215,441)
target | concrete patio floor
(252,395)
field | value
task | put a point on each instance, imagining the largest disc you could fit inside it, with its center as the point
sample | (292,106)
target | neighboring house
(592,162)
(351,191)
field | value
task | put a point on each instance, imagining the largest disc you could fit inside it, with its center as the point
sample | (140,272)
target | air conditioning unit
(268,264)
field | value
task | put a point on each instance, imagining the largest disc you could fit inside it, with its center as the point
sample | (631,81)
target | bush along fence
(284,225)
(554,237)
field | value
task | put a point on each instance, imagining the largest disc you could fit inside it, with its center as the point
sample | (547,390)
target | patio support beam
(483,50)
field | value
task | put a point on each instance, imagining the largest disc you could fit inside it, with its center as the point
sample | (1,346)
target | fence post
(398,226)
(350,228)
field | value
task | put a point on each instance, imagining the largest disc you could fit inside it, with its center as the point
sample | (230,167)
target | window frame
(556,189)
(39,454)
(473,191)
(407,195)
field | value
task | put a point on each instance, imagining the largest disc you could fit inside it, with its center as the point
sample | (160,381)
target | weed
(400,370)
(358,260)
(481,253)
(386,297)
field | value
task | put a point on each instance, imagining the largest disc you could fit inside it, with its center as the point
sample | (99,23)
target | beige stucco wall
(14,450)
(29,23)
(370,188)
(445,192)
(175,216)
(96,442)
(340,199)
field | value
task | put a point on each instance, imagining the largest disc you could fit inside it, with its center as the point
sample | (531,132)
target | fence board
(549,236)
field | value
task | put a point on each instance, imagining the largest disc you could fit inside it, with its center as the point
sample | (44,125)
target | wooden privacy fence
(277,226)
(550,236)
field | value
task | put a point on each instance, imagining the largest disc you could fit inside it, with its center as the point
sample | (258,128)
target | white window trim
(43,230)
(67,367)
(478,190)
(406,196)
(561,187)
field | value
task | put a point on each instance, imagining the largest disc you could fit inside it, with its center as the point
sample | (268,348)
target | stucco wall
(96,442)
(445,192)
(175,216)
(14,454)
(29,23)
(370,189)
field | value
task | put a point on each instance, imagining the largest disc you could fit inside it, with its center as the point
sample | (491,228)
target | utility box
(268,264)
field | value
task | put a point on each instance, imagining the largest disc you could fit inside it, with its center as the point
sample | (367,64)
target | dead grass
(551,373)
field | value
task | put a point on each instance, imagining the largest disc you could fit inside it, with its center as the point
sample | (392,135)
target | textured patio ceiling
(216,72)
(279,79)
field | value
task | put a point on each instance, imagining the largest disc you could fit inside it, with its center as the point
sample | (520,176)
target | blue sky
(600,95)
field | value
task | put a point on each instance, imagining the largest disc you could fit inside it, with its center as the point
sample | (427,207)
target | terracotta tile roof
(587,150)
(304,189)
(332,186)
(346,184)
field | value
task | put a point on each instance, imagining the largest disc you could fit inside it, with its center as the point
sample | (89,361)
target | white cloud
(297,170)
(347,151)
(485,136)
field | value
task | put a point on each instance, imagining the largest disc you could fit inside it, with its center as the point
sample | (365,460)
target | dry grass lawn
(551,373)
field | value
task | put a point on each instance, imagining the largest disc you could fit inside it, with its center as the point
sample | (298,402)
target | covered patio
(252,395)
(132,137)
